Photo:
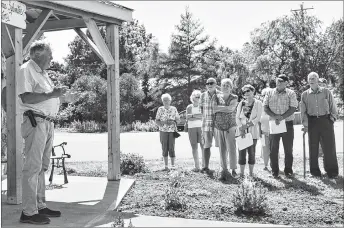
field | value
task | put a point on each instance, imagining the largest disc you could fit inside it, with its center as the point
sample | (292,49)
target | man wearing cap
(207,103)
(318,113)
(280,103)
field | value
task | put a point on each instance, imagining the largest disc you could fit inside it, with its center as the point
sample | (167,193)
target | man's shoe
(275,174)
(234,173)
(49,213)
(332,176)
(204,170)
(224,175)
(316,174)
(37,219)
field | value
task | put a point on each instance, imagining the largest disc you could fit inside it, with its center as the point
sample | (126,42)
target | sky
(230,22)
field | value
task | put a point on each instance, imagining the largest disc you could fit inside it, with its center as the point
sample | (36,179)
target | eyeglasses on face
(210,83)
(246,91)
(198,97)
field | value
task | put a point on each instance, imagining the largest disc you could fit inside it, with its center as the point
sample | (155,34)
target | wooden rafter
(99,41)
(7,45)
(57,25)
(36,28)
(88,41)
(72,11)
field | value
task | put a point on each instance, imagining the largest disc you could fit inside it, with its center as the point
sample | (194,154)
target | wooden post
(113,105)
(14,139)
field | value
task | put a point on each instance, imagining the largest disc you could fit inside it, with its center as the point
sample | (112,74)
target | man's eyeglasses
(246,91)
(210,83)
(198,97)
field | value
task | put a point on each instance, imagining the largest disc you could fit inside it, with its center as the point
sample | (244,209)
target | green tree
(187,53)
(131,97)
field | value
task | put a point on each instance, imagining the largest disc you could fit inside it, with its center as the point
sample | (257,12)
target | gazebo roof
(70,14)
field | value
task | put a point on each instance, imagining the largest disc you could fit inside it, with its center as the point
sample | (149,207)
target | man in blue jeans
(279,104)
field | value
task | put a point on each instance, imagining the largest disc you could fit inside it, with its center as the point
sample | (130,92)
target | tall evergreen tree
(187,53)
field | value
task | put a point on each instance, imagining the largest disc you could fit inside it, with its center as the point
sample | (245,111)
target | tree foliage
(187,52)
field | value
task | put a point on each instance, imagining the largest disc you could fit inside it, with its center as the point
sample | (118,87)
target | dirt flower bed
(310,202)
(291,201)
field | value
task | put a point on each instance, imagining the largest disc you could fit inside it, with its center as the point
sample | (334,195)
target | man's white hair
(194,94)
(166,95)
(38,46)
(313,74)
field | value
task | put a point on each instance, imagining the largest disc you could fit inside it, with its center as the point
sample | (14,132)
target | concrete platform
(154,221)
(82,201)
(91,201)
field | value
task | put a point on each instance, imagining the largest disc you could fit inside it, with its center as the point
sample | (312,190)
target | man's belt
(48,118)
(314,117)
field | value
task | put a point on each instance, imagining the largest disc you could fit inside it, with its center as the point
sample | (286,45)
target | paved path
(93,146)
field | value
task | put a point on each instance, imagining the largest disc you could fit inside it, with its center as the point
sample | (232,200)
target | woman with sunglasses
(194,118)
(248,115)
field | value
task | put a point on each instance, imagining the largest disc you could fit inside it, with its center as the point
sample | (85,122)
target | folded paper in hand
(243,143)
(262,140)
(276,129)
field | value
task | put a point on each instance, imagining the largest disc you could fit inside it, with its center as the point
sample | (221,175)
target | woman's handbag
(186,126)
(176,134)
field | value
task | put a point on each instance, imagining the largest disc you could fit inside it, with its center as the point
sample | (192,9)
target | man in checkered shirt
(280,103)
(207,103)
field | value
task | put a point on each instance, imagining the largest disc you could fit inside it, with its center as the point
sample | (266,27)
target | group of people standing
(217,114)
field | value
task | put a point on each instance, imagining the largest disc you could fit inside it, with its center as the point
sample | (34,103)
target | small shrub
(250,198)
(132,163)
(174,198)
(138,126)
(119,222)
(88,126)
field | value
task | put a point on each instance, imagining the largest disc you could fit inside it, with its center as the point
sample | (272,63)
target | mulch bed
(291,201)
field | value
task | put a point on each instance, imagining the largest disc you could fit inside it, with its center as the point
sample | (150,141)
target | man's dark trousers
(322,128)
(287,139)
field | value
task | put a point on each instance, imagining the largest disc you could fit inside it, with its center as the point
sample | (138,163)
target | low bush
(88,126)
(138,126)
(132,163)
(250,198)
(174,198)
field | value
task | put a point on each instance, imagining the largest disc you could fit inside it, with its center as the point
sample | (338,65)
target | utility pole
(303,36)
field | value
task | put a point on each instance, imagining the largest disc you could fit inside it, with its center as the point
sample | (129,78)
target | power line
(303,35)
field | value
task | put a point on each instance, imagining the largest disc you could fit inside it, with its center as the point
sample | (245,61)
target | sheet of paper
(262,140)
(243,143)
(276,129)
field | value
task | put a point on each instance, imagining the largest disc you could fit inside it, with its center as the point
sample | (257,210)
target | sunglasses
(246,91)
(210,83)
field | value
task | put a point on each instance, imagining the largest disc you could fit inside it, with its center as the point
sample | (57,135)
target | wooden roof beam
(7,44)
(72,11)
(58,25)
(88,41)
(98,39)
(35,30)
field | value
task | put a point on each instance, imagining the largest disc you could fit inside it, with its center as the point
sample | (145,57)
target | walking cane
(304,153)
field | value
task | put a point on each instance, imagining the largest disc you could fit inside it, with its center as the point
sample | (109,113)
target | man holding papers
(319,112)
(280,104)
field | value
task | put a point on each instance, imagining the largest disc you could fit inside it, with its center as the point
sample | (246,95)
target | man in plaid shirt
(280,103)
(207,103)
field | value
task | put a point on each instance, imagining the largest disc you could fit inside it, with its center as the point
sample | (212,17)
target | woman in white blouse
(194,119)
(167,118)
(248,115)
